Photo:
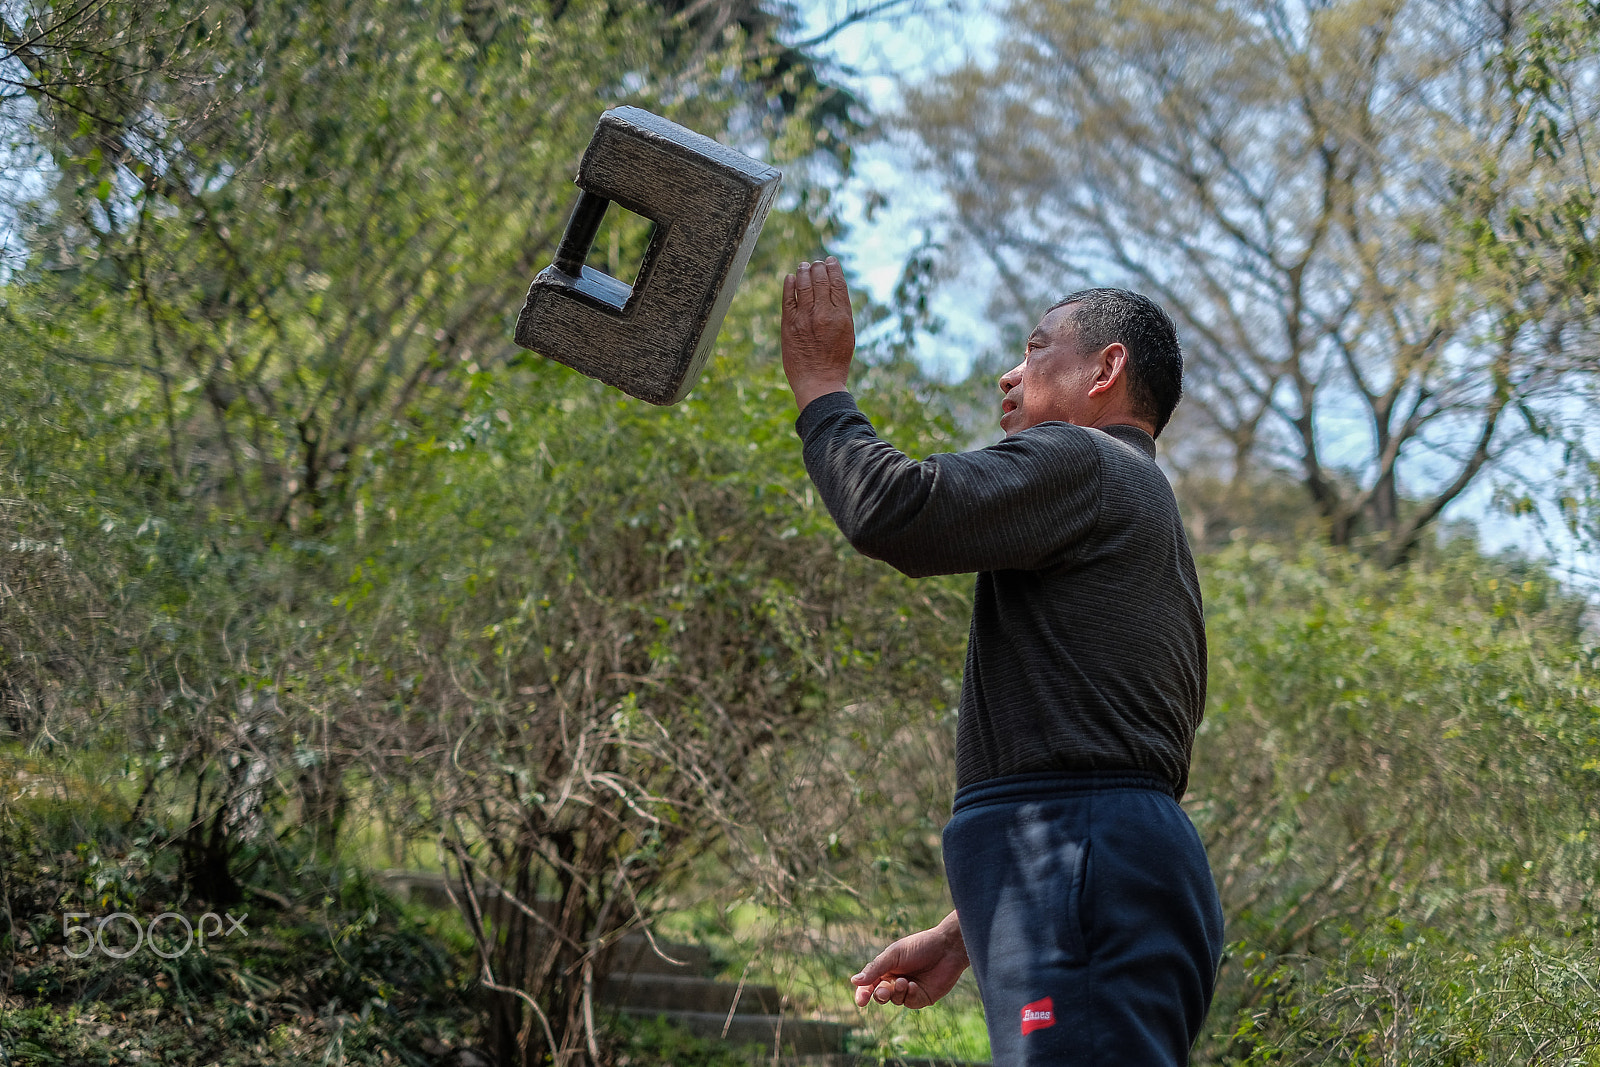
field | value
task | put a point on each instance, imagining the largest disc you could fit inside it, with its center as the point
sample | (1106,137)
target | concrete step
(634,955)
(671,992)
(796,1037)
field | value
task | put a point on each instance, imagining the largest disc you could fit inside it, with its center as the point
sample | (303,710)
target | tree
(594,640)
(1548,235)
(272,232)
(311,215)
(1289,180)
(1547,241)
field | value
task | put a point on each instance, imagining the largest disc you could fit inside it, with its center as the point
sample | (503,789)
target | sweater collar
(1134,436)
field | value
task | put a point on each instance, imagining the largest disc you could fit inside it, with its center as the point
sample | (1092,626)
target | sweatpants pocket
(1052,864)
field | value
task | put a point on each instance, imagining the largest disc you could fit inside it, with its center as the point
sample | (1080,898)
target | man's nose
(1010,378)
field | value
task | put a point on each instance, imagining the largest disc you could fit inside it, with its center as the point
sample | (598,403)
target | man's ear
(1112,364)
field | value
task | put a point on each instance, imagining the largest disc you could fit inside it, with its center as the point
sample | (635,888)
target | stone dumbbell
(708,203)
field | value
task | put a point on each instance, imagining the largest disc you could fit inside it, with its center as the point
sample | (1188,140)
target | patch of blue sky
(23,170)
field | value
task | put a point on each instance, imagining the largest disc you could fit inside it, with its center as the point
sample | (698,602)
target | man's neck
(1122,418)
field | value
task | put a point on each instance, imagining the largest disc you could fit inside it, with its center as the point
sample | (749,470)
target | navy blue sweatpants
(1090,917)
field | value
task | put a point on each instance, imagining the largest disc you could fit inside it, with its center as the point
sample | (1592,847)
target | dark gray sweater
(1087,649)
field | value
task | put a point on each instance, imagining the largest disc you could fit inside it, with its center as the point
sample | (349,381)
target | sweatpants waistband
(1051,785)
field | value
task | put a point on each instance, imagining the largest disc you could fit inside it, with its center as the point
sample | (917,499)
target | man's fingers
(898,990)
(838,291)
(822,280)
(803,294)
(882,964)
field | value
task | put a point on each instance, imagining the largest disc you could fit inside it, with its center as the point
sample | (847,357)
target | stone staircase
(675,982)
(641,984)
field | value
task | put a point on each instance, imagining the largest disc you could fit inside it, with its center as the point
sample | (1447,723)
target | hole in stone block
(620,244)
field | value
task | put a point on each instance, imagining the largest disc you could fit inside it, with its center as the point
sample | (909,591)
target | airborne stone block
(708,203)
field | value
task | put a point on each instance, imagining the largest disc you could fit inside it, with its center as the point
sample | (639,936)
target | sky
(877,57)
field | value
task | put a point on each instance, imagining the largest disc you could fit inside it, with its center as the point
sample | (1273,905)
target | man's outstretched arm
(1021,504)
(917,970)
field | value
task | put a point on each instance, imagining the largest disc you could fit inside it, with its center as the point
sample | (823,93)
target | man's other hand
(819,333)
(917,970)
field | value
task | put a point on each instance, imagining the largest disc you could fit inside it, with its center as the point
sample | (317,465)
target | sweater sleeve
(1026,503)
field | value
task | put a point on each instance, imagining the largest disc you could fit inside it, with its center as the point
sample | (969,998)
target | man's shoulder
(1119,444)
(1054,452)
(1048,450)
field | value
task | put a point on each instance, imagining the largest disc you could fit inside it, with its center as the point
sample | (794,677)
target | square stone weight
(708,204)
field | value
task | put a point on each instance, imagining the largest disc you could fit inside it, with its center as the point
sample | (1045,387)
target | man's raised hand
(818,334)
(917,970)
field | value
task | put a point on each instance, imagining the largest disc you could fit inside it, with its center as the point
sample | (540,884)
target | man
(1084,902)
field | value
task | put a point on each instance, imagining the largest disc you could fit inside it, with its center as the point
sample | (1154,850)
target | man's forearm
(1017,505)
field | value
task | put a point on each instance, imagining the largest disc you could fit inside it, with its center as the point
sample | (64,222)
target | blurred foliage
(1546,238)
(657,1043)
(1398,997)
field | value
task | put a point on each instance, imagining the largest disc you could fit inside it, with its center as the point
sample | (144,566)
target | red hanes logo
(1038,1015)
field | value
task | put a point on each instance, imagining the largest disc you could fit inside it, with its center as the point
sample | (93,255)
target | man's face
(1053,381)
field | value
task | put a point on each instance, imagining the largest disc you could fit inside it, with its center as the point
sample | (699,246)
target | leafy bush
(647,1042)
(1401,996)
(1417,746)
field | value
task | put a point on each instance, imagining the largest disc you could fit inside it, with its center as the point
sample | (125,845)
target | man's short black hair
(1155,361)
